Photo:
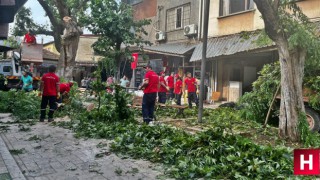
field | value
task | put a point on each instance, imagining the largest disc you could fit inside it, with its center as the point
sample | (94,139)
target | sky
(39,17)
(38,14)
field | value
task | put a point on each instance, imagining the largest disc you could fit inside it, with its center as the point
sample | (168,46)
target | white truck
(27,59)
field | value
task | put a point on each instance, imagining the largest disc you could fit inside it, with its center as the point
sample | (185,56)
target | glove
(40,94)
(58,96)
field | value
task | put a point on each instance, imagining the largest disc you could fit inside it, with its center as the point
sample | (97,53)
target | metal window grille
(178,17)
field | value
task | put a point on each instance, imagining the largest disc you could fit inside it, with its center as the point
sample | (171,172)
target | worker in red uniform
(150,86)
(191,84)
(30,38)
(50,92)
(64,90)
(170,82)
(178,90)
(163,89)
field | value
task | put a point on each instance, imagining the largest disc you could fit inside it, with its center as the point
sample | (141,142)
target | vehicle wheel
(313,119)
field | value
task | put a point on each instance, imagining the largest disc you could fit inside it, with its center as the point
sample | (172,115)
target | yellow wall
(311,8)
(51,47)
(235,24)
(250,20)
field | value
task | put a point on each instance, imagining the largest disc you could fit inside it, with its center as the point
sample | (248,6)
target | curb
(9,161)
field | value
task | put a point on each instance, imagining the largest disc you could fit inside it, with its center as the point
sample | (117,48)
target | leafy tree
(24,22)
(295,37)
(67,44)
(113,22)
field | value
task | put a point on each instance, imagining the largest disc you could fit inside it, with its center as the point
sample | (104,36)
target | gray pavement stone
(57,155)
(11,166)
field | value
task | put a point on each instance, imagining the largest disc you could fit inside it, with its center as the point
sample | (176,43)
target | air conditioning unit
(191,29)
(160,36)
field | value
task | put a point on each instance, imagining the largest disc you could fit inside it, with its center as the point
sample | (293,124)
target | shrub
(257,102)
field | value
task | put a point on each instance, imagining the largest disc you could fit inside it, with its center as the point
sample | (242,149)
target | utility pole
(204,57)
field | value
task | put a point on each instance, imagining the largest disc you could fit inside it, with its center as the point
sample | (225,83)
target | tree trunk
(292,67)
(68,50)
(57,26)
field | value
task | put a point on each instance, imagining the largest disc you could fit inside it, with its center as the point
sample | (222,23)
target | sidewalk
(47,152)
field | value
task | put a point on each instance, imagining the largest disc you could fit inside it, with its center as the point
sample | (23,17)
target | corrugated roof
(228,45)
(85,53)
(175,49)
(48,55)
(5,46)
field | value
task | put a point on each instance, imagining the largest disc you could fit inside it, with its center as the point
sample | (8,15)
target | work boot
(151,123)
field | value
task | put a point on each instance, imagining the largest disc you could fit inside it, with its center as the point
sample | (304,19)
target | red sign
(306,162)
(135,60)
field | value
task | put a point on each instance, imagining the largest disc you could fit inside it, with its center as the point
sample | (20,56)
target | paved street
(47,152)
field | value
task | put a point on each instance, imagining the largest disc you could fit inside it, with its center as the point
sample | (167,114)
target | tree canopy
(24,22)
(113,22)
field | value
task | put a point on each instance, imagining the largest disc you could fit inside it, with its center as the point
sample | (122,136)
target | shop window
(228,7)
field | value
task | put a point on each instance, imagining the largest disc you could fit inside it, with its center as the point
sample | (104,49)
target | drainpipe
(200,19)
(216,77)
(183,60)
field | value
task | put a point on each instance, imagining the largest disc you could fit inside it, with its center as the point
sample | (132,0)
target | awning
(85,53)
(5,46)
(175,49)
(231,44)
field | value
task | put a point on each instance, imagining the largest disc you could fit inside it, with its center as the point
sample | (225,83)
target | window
(133,2)
(6,68)
(178,17)
(233,6)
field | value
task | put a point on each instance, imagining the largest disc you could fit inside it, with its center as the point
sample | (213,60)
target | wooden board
(32,53)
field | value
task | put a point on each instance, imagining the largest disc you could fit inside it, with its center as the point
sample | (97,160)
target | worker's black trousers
(51,100)
(148,103)
(192,97)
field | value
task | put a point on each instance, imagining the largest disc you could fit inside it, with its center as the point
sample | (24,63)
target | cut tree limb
(272,102)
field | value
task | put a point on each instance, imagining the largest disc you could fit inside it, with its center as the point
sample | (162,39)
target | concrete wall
(147,9)
(151,36)
(231,24)
(176,35)
(249,20)
(144,10)
(311,8)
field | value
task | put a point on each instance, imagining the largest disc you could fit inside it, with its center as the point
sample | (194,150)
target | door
(249,76)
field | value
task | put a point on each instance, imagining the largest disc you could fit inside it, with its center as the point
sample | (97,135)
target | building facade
(176,34)
(233,55)
(235,23)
